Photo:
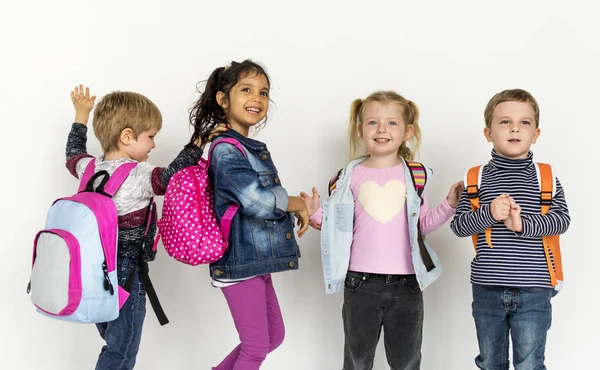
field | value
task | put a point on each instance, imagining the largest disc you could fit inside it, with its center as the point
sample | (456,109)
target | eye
(371,123)
(392,123)
(264,93)
(526,122)
(245,89)
(504,122)
(151,137)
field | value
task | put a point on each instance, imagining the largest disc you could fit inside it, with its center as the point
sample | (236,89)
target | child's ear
(221,99)
(488,134)
(126,136)
(536,134)
(409,132)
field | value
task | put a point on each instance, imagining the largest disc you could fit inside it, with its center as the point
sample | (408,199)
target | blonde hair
(518,95)
(120,110)
(410,115)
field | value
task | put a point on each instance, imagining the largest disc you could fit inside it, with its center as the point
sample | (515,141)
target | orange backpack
(547,189)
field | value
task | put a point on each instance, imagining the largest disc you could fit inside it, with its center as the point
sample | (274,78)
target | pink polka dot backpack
(188,226)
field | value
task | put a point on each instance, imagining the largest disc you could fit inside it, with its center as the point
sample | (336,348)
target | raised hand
(83,103)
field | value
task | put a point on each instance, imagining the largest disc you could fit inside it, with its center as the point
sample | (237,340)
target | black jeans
(391,302)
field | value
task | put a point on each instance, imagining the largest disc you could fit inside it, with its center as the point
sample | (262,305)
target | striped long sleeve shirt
(516,259)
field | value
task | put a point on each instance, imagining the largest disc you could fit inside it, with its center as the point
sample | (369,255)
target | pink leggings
(257,318)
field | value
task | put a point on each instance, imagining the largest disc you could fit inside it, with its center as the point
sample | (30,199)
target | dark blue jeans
(391,302)
(524,314)
(123,335)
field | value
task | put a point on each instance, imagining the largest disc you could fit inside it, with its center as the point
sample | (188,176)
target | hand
(219,129)
(315,224)
(297,205)
(312,204)
(514,221)
(500,207)
(83,104)
(454,193)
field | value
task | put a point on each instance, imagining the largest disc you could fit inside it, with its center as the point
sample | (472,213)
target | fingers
(303,228)
(315,193)
(304,195)
(315,225)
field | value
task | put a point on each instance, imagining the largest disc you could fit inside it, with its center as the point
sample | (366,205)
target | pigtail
(353,129)
(412,119)
(206,113)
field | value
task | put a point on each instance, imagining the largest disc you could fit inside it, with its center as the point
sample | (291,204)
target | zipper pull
(29,287)
(107,284)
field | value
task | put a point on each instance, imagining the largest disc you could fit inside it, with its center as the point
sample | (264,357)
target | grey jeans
(391,302)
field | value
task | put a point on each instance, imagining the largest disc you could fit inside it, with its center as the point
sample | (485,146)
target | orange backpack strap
(551,242)
(473,181)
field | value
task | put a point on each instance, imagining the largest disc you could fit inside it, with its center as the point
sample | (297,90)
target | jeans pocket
(353,282)
(412,284)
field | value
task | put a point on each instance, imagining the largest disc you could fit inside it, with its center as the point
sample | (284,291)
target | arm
(555,222)
(76,142)
(467,222)
(236,181)
(430,220)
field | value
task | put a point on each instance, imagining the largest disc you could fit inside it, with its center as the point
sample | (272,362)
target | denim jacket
(261,239)
(337,229)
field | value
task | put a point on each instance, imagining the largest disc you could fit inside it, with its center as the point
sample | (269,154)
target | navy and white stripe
(516,259)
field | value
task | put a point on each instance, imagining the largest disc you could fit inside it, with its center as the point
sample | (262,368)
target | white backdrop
(448,57)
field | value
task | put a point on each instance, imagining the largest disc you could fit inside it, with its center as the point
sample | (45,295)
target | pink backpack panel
(188,226)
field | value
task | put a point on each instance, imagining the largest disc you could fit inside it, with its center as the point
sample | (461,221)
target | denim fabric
(123,335)
(391,302)
(262,238)
(337,229)
(523,314)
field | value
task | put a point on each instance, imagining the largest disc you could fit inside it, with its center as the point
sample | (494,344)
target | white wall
(449,57)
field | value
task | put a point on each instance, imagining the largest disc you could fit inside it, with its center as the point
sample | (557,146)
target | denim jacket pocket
(353,282)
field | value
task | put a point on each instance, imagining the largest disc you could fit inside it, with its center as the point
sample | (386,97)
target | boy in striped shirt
(512,275)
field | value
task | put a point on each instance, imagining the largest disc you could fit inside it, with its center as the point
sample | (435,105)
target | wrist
(82,118)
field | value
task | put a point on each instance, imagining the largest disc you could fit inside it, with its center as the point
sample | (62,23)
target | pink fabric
(189,227)
(123,295)
(107,222)
(74,270)
(257,318)
(384,247)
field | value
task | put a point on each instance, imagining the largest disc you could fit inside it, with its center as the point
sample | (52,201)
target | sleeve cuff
(317,216)
(281,198)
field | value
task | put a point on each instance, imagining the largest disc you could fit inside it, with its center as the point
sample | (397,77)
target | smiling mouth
(381,140)
(253,110)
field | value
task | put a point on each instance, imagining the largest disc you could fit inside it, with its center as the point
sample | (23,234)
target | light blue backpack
(74,276)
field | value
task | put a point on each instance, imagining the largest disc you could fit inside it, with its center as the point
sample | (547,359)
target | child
(371,234)
(511,274)
(126,123)
(261,240)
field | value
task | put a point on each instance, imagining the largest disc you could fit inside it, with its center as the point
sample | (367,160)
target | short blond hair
(120,110)
(518,95)
(411,118)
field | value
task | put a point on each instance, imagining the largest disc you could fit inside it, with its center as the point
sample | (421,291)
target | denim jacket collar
(246,141)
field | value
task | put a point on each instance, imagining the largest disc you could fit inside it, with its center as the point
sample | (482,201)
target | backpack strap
(418,174)
(333,181)
(225,224)
(547,183)
(473,181)
(110,183)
